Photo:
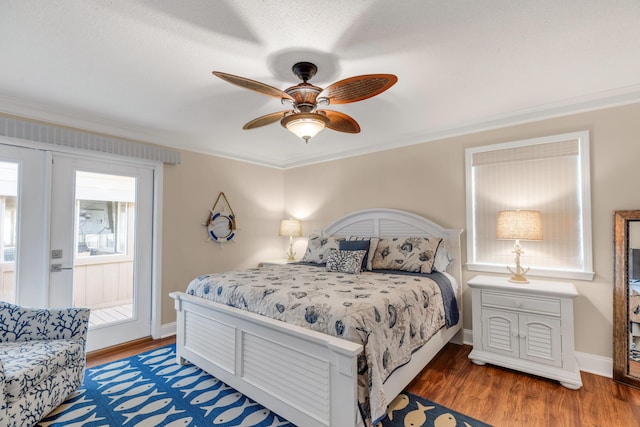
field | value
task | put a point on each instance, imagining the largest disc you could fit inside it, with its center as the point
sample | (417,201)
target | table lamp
(519,225)
(290,228)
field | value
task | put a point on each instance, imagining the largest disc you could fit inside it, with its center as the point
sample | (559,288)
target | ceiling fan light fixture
(304,119)
(305,125)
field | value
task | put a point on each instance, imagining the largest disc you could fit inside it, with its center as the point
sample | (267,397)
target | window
(104,214)
(550,175)
(8,211)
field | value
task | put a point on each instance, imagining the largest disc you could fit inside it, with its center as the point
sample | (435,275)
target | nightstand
(276,261)
(526,327)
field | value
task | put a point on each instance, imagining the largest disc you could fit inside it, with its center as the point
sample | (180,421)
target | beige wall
(255,194)
(427,179)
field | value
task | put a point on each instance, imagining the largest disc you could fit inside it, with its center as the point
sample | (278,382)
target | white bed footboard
(305,376)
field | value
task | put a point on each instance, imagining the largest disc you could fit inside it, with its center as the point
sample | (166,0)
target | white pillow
(443,260)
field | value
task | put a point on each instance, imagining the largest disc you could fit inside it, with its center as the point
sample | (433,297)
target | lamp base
(291,255)
(516,278)
(519,272)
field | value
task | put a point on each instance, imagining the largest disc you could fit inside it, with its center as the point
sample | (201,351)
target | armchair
(42,360)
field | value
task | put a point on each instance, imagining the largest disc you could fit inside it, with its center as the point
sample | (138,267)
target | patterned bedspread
(391,315)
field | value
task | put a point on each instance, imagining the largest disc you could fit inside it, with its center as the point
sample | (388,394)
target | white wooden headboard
(380,222)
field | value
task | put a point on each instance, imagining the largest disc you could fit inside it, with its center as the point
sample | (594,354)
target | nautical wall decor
(221,221)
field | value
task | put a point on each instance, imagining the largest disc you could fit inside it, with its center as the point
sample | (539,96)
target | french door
(23,229)
(83,237)
(101,245)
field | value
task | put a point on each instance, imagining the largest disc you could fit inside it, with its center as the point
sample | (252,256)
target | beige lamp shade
(519,225)
(290,228)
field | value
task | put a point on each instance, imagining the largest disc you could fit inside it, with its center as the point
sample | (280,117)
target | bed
(309,377)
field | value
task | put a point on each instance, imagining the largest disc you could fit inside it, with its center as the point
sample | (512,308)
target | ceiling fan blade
(358,88)
(252,85)
(265,120)
(341,122)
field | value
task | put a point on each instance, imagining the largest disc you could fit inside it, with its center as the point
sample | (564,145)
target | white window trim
(585,180)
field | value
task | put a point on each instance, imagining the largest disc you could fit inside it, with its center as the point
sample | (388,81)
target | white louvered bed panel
(389,223)
(287,374)
(362,228)
(395,229)
(219,343)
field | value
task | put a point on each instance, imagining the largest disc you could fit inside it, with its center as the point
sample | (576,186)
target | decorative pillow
(373,244)
(442,260)
(345,261)
(415,254)
(356,245)
(318,248)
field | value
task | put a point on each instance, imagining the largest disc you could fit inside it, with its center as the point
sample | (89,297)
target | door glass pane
(8,229)
(104,246)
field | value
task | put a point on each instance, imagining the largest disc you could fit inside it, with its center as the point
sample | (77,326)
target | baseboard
(468,337)
(167,330)
(598,365)
(591,363)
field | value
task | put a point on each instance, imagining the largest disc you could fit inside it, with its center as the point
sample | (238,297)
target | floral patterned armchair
(42,360)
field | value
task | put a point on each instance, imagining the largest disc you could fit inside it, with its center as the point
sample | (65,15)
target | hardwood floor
(496,396)
(502,397)
(99,357)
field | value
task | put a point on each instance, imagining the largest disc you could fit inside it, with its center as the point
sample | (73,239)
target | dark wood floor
(497,396)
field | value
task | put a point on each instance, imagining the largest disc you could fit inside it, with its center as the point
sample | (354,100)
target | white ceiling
(141,69)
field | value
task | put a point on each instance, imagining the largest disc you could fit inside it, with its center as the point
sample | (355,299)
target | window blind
(546,177)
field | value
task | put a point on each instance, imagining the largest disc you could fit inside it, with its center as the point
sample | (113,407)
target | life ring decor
(221,221)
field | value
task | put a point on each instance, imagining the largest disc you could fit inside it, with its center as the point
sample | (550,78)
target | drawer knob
(518,303)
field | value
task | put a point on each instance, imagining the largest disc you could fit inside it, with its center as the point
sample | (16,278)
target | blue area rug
(151,389)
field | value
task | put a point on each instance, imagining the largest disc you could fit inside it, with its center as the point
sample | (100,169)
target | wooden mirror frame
(621,297)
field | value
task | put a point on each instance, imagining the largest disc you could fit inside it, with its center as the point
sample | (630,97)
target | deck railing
(98,282)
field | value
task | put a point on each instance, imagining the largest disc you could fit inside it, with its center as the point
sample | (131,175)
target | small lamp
(290,228)
(519,225)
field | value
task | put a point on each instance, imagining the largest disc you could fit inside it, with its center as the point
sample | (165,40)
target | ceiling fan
(305,119)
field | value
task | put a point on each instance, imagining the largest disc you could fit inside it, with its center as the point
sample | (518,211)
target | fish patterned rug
(409,410)
(150,390)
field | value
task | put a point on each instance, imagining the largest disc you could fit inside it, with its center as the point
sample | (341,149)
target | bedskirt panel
(267,357)
(293,376)
(390,314)
(220,342)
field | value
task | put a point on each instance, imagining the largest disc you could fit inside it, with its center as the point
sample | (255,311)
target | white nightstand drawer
(522,303)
